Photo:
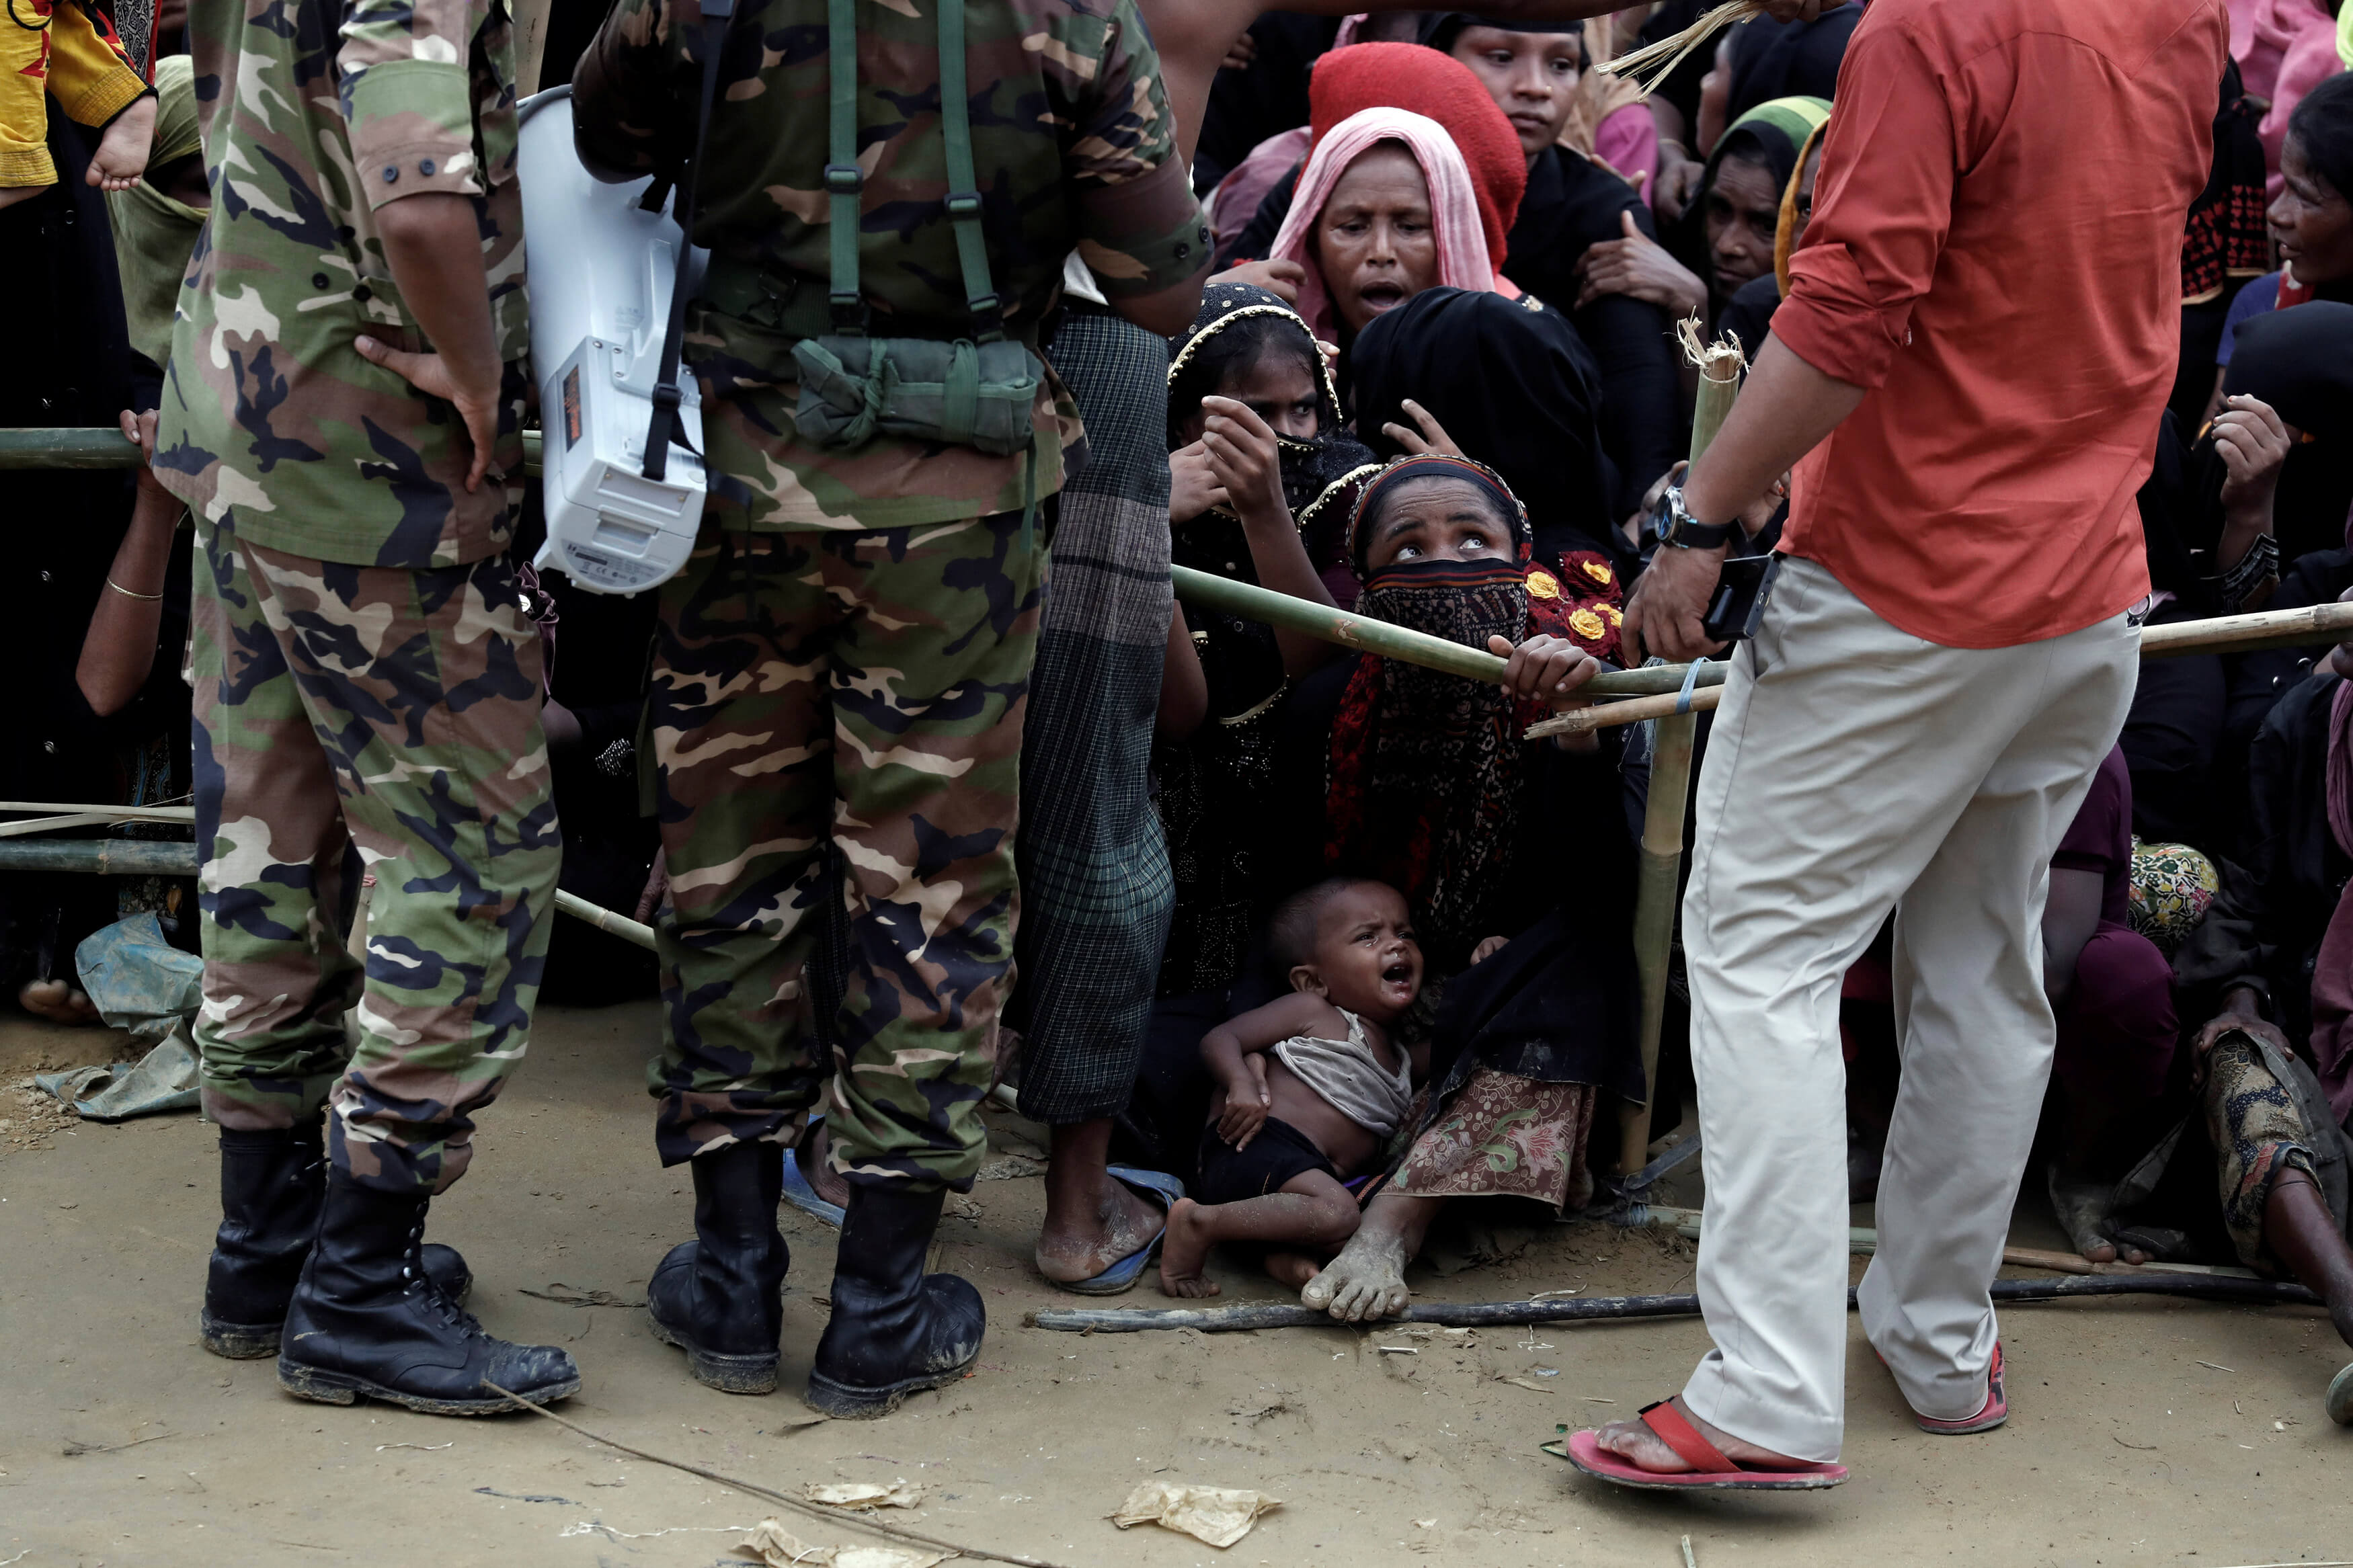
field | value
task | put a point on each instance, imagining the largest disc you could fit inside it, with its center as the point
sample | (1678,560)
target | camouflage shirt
(273,426)
(1073,146)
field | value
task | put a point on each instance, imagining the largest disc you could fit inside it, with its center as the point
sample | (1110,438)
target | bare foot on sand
(1644,1449)
(1184,1252)
(122,156)
(1366,1280)
(57,1000)
(1291,1269)
(1092,1219)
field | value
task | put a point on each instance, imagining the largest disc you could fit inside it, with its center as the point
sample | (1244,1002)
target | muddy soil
(2142,1431)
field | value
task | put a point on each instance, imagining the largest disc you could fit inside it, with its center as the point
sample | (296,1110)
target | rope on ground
(814,1511)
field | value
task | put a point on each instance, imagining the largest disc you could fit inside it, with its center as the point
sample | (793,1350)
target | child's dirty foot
(1366,1280)
(122,156)
(1291,1269)
(1183,1252)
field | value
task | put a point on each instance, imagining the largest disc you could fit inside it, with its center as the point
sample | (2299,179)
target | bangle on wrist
(143,598)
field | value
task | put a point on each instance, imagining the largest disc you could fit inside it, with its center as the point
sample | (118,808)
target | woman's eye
(1409,553)
(1474,542)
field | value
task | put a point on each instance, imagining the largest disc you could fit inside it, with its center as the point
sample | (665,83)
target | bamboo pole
(1669,799)
(1602,1309)
(1367,635)
(605,919)
(99,856)
(2313,624)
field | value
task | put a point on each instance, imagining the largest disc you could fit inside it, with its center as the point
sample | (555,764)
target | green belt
(794,305)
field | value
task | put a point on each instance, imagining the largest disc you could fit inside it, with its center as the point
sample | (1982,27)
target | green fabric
(154,235)
(1783,124)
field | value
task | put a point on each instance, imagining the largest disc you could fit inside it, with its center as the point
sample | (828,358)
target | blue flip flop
(802,1196)
(1123,1275)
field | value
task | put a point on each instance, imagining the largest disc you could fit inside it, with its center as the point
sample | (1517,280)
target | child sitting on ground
(75,54)
(1314,1086)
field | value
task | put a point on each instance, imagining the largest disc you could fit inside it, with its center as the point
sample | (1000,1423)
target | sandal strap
(1678,1434)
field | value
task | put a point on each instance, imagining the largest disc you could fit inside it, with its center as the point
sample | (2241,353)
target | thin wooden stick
(111,813)
(814,1511)
(1601,1309)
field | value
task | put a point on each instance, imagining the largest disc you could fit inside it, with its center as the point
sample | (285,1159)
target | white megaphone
(602,269)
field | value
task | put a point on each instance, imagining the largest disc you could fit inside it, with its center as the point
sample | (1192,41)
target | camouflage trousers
(398,712)
(837,723)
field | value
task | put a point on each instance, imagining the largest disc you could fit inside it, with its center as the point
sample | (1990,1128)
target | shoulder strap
(964,185)
(716,14)
(844,180)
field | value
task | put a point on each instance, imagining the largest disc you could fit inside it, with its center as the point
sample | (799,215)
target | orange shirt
(1996,253)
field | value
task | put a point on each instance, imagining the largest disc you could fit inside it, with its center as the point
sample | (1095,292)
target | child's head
(1352,943)
(2312,218)
(1263,358)
(1435,507)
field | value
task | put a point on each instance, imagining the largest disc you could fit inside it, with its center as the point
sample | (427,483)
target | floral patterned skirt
(2258,1133)
(1503,1136)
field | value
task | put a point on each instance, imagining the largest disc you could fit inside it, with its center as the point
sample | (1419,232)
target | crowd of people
(922,777)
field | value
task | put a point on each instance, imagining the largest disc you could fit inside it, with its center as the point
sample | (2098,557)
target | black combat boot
(365,1319)
(719,1297)
(272,1183)
(895,1331)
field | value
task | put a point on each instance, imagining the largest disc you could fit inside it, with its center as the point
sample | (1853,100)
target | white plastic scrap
(1218,1515)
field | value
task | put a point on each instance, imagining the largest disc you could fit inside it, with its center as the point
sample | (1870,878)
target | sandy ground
(2142,1431)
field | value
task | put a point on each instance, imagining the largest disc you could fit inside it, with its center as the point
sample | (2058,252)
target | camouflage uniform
(841,673)
(362,665)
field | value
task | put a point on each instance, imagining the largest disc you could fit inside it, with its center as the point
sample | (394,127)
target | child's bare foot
(1183,1252)
(58,1001)
(1291,1269)
(11,194)
(122,156)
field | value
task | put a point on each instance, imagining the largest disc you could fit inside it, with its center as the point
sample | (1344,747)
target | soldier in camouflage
(341,413)
(840,671)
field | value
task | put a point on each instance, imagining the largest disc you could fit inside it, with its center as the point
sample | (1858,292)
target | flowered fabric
(1505,1136)
(2257,1133)
(2172,884)
(1580,599)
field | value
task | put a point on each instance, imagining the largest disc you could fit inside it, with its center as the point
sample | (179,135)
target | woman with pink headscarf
(1385,209)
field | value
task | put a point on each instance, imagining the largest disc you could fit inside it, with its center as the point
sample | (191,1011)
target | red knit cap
(1407,75)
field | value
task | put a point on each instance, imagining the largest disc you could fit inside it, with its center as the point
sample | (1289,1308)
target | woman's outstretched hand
(1245,460)
(1427,435)
(1639,268)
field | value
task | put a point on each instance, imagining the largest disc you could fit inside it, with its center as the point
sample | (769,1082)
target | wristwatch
(1676,529)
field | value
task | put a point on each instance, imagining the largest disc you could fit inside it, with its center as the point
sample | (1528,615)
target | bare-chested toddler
(1312,1085)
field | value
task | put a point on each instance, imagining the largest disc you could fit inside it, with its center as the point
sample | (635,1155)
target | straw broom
(1654,63)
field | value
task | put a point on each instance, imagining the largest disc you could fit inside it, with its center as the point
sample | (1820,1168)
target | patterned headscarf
(1320,477)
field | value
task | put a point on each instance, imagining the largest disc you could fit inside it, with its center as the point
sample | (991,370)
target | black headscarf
(2300,361)
(1509,385)
(1788,59)
(1440,28)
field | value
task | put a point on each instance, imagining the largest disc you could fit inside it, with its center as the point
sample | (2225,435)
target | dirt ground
(2142,1431)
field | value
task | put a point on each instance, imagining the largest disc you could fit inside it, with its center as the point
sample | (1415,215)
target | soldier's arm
(408,102)
(1139,229)
(624,116)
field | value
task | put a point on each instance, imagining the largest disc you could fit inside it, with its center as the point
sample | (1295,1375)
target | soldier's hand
(434,376)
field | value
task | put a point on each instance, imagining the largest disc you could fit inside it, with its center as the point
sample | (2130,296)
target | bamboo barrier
(99,856)
(1668,801)
(2313,624)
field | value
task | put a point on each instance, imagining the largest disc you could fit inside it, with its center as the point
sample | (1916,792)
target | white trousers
(1854,769)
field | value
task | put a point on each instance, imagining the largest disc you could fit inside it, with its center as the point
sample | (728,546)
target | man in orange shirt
(1966,375)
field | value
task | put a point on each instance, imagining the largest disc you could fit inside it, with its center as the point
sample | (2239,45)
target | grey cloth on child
(1351,1077)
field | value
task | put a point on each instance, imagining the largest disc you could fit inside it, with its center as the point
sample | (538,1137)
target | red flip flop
(1710,1470)
(1995,1412)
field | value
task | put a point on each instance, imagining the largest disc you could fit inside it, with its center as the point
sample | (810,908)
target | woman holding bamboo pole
(1947,657)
